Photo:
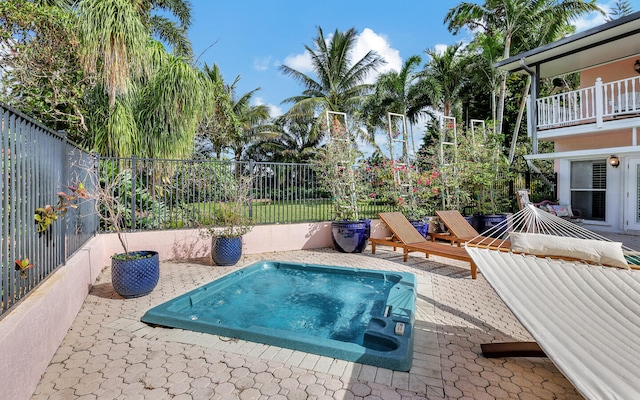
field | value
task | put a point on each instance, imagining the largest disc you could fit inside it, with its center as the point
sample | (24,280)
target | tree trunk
(503,86)
(523,103)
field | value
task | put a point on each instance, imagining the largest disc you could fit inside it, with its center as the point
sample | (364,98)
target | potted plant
(230,222)
(488,170)
(133,273)
(472,176)
(337,166)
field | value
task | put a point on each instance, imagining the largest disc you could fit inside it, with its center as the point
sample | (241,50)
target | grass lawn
(284,212)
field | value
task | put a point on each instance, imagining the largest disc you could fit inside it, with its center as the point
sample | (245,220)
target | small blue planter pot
(421,226)
(135,277)
(350,236)
(226,251)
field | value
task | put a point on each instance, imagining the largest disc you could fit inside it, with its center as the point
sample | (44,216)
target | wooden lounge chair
(460,230)
(405,236)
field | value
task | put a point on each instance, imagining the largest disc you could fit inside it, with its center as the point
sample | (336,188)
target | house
(594,129)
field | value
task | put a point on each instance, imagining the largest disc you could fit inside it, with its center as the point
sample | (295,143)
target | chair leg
(373,248)
(406,255)
(474,270)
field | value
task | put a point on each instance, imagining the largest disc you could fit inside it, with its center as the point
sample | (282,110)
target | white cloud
(594,19)
(261,63)
(589,21)
(299,62)
(440,48)
(369,40)
(366,41)
(274,111)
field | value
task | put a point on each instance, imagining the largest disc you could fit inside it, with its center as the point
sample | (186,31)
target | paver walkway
(109,354)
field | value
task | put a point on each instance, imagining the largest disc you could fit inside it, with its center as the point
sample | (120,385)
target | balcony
(592,106)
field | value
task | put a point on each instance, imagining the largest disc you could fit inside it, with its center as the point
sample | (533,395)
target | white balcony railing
(597,103)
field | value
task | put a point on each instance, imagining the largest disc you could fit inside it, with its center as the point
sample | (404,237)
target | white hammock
(586,318)
(534,220)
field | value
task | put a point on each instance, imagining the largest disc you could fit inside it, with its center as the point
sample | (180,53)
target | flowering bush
(413,193)
(472,173)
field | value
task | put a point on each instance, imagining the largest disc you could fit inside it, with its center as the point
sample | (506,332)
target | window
(588,186)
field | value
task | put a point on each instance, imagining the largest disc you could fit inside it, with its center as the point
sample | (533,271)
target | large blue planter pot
(226,251)
(350,236)
(490,221)
(135,277)
(421,226)
(477,222)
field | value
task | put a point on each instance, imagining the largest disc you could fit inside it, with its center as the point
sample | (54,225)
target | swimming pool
(348,313)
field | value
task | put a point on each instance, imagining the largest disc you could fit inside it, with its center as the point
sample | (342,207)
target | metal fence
(36,164)
(176,194)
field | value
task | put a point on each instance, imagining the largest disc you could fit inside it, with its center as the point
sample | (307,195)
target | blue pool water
(339,312)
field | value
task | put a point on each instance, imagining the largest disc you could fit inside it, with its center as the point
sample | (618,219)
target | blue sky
(252,38)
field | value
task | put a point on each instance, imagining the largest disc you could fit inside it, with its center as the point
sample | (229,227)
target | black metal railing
(36,165)
(176,194)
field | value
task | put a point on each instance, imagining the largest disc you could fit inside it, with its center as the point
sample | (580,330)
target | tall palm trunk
(516,130)
(503,87)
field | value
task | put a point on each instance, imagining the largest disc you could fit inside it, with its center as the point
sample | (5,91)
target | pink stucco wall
(612,71)
(595,140)
(187,243)
(31,333)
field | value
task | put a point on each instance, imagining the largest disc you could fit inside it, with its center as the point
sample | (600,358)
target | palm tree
(339,84)
(508,17)
(114,44)
(446,72)
(220,120)
(175,34)
(397,92)
(238,125)
(157,118)
(146,102)
(292,140)
(252,123)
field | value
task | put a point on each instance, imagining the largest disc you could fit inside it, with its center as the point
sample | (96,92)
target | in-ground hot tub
(348,313)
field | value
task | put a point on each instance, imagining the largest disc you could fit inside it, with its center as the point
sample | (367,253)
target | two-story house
(595,129)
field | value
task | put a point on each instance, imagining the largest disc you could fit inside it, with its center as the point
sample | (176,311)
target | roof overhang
(612,41)
(585,154)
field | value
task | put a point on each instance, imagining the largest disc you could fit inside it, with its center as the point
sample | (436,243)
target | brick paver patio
(109,354)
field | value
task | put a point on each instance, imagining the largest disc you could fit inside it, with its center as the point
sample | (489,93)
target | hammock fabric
(586,318)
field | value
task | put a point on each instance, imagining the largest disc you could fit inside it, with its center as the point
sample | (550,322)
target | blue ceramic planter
(491,220)
(135,277)
(421,226)
(226,251)
(350,236)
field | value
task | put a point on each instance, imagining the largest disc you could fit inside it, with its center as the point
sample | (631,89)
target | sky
(252,38)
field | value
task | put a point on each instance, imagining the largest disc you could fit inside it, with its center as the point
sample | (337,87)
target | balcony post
(599,102)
